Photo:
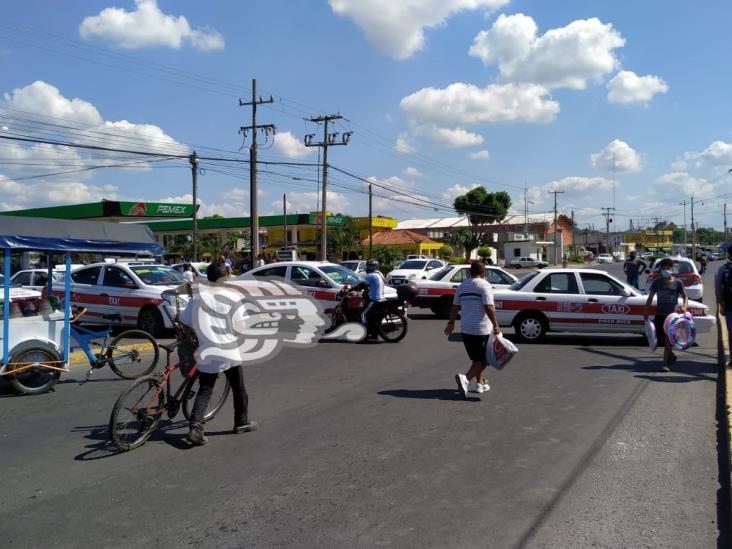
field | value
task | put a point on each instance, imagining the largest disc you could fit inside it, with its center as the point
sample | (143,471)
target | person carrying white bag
(499,351)
(474,300)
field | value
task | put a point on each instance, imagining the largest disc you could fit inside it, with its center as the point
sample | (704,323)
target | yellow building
(650,238)
(378,224)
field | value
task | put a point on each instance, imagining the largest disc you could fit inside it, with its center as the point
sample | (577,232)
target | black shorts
(658,321)
(475,346)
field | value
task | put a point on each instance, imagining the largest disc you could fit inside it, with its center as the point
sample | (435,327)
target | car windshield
(341,275)
(442,272)
(680,267)
(415,264)
(352,265)
(157,275)
(523,281)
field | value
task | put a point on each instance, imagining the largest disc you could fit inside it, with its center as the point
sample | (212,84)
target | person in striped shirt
(474,301)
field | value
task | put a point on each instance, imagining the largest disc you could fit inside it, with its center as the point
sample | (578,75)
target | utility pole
(555,193)
(526,212)
(193,159)
(693,232)
(608,219)
(253,213)
(684,203)
(284,216)
(329,139)
(725,217)
(574,237)
(371,223)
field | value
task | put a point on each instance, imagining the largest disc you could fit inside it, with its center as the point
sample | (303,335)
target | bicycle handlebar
(78,313)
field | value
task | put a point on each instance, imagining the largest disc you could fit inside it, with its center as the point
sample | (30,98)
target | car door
(557,294)
(119,288)
(85,291)
(276,270)
(498,278)
(22,279)
(610,306)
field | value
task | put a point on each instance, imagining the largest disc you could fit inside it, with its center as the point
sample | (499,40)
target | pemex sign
(332,220)
(155,209)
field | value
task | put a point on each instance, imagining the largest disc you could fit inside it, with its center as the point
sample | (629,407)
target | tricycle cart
(35,333)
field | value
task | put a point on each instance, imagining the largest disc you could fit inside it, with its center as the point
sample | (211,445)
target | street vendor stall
(35,334)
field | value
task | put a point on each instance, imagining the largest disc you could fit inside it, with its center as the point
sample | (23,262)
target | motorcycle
(391,322)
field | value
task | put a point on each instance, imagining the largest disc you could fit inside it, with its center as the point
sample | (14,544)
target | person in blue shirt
(374,281)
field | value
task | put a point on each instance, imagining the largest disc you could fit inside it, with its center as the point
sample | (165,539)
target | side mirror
(648,271)
(323,284)
(424,278)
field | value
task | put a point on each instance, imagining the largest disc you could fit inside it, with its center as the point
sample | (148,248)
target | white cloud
(42,98)
(479,155)
(31,194)
(304,202)
(624,157)
(627,87)
(679,166)
(451,138)
(682,184)
(396,28)
(291,146)
(412,172)
(147,26)
(565,57)
(451,193)
(441,114)
(717,154)
(580,184)
(403,145)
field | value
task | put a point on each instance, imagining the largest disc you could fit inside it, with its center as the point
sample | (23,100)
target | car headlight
(412,275)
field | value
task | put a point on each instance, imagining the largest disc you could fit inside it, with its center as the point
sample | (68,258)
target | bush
(445,252)
(484,252)
(388,257)
(456,260)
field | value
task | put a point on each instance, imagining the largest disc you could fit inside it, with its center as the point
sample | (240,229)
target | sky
(616,104)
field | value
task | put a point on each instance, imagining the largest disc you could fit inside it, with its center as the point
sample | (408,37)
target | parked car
(358,266)
(34,279)
(412,269)
(685,270)
(320,279)
(605,258)
(578,300)
(132,291)
(527,262)
(198,268)
(437,291)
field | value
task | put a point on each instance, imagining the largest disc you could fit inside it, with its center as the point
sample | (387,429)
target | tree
(468,238)
(344,239)
(387,257)
(445,252)
(482,207)
(484,252)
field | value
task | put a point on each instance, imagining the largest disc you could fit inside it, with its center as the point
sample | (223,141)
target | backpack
(727,286)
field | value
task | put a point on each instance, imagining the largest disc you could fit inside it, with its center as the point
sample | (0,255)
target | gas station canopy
(110,210)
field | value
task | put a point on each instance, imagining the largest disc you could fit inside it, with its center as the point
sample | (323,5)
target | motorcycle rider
(374,281)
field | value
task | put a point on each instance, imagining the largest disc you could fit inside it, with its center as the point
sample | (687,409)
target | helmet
(372,265)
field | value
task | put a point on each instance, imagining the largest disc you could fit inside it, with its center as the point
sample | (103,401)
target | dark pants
(632,280)
(728,320)
(370,315)
(206,384)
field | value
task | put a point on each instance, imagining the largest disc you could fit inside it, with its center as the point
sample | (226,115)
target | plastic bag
(499,351)
(651,334)
(680,330)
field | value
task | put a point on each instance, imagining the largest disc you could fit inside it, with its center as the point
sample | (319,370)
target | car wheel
(151,321)
(531,327)
(442,309)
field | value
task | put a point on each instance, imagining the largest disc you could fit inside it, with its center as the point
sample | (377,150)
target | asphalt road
(581,442)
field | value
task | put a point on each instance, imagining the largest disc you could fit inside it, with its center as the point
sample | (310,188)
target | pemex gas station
(300,232)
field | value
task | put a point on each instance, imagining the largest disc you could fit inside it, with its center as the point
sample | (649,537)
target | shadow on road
(102,447)
(682,371)
(426,394)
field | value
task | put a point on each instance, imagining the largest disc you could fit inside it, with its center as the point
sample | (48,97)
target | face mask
(665,273)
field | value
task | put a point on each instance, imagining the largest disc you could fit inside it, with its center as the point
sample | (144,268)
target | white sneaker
(462,383)
(482,387)
(473,386)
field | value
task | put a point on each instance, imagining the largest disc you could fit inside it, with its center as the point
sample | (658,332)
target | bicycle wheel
(136,413)
(132,354)
(36,379)
(393,327)
(218,397)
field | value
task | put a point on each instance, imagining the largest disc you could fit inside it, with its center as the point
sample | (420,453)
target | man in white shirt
(209,372)
(474,301)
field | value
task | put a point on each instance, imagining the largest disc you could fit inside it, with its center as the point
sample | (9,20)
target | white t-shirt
(188,276)
(472,296)
(186,317)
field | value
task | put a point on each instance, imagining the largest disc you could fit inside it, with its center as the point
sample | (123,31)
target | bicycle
(139,409)
(125,355)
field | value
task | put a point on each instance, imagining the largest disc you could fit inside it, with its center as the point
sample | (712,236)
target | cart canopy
(55,235)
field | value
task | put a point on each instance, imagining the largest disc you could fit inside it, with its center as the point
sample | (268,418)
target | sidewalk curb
(726,381)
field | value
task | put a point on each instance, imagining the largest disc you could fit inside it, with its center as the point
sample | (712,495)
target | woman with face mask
(667,289)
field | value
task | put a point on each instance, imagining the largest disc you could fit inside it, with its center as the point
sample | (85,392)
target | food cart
(35,329)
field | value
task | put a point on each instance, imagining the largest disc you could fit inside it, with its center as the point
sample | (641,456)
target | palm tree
(344,239)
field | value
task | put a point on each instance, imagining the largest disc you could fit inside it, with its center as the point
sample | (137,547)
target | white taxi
(319,279)
(437,292)
(132,291)
(413,269)
(578,300)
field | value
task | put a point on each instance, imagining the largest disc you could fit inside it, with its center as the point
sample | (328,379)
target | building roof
(109,210)
(513,218)
(391,238)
